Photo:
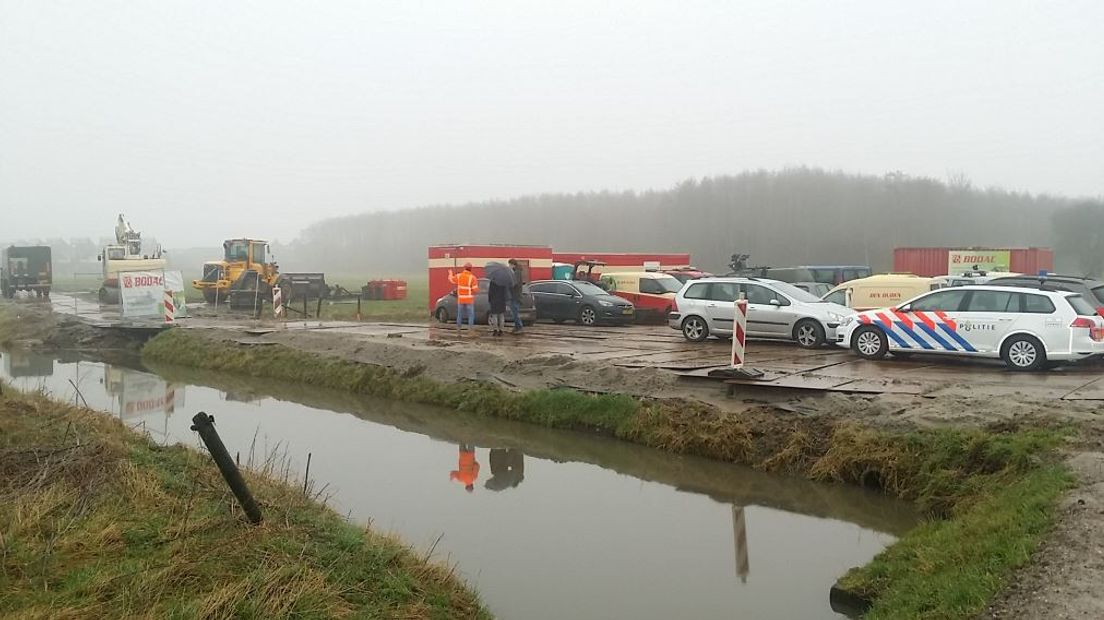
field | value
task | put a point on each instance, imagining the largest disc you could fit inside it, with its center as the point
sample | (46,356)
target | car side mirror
(775,303)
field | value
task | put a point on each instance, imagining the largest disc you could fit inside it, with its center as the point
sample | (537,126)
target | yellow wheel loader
(244,277)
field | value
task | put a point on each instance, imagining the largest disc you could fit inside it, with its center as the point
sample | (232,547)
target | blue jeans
(515,313)
(461,310)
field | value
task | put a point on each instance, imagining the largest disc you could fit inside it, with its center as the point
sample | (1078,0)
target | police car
(1028,329)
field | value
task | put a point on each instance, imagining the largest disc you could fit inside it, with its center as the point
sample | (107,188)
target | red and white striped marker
(169,308)
(277,302)
(739,333)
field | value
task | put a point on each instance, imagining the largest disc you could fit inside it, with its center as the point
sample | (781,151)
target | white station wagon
(1028,329)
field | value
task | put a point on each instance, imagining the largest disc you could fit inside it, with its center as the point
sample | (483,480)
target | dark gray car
(445,309)
(580,301)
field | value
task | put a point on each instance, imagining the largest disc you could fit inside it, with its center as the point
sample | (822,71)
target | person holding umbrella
(501,280)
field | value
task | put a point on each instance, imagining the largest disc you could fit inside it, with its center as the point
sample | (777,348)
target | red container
(394,290)
(625,261)
(930,262)
(536,261)
(1032,260)
(372,290)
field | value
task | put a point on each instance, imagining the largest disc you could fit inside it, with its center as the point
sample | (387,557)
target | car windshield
(1098,292)
(668,284)
(589,288)
(795,293)
(1081,306)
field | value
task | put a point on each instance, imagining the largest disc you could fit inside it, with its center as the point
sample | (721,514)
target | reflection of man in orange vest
(467,471)
(467,285)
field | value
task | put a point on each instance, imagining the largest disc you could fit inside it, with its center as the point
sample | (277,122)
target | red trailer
(930,262)
(627,261)
(536,261)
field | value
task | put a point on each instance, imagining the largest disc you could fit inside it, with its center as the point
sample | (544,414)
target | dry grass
(96,521)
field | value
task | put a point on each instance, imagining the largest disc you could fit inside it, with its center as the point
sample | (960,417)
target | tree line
(788,217)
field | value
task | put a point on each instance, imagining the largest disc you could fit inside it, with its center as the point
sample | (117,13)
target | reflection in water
(507,469)
(740,540)
(26,364)
(621,531)
(467,471)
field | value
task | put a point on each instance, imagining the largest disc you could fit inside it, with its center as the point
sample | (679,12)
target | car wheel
(870,343)
(809,334)
(1023,353)
(695,329)
(442,315)
(588,317)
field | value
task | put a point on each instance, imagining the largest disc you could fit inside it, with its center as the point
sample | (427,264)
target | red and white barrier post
(278,302)
(169,308)
(739,333)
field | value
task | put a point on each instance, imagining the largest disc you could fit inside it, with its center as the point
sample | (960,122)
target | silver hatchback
(776,310)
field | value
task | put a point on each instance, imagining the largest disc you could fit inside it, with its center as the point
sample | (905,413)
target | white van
(888,289)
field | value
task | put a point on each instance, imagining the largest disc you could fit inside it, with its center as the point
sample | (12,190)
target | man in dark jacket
(515,294)
(496,296)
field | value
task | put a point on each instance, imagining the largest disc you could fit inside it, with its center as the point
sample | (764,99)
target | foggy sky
(203,120)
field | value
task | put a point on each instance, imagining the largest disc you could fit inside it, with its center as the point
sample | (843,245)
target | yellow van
(880,291)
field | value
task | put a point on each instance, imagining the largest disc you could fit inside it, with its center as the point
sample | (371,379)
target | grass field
(413,308)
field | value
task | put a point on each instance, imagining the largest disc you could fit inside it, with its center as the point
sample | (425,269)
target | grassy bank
(97,521)
(991,493)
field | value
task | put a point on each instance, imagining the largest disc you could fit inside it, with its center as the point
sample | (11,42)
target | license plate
(626,310)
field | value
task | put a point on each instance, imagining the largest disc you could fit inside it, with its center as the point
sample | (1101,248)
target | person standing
(467,285)
(515,294)
(496,297)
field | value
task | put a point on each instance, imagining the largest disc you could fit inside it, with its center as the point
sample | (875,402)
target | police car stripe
(936,337)
(900,341)
(905,328)
(958,338)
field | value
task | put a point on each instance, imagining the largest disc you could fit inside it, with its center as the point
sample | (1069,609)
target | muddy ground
(1066,579)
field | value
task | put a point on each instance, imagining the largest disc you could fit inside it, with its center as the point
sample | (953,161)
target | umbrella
(499,274)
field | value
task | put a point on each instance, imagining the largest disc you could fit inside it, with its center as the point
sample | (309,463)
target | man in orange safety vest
(467,285)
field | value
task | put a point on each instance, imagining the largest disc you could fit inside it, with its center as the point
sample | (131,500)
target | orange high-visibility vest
(467,285)
(467,471)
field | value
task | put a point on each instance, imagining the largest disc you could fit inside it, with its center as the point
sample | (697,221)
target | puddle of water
(545,524)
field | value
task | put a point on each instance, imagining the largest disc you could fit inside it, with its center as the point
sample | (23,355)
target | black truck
(26,268)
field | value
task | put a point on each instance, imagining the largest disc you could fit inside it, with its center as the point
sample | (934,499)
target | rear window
(1080,306)
(1037,304)
(1098,292)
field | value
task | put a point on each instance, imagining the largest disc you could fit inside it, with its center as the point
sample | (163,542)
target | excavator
(244,277)
(126,254)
